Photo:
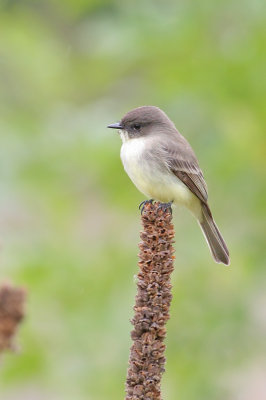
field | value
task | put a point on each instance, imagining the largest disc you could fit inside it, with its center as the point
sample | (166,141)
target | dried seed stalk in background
(147,360)
(11,313)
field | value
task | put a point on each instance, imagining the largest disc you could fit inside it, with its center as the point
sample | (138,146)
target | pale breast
(151,176)
(132,156)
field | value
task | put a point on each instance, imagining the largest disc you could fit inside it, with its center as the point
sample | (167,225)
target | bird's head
(142,121)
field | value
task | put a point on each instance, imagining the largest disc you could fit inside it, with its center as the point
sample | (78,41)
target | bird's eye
(136,127)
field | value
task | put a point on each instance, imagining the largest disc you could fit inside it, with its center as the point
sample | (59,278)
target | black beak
(117,125)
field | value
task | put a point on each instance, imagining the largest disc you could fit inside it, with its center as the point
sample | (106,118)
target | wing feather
(185,166)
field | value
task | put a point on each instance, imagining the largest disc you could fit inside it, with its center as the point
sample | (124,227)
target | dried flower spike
(147,360)
(11,313)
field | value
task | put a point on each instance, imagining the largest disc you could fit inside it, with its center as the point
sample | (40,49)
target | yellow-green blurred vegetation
(69,221)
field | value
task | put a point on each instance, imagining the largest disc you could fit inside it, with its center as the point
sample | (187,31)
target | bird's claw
(166,206)
(143,204)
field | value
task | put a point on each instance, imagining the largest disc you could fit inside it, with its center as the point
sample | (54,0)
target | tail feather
(214,238)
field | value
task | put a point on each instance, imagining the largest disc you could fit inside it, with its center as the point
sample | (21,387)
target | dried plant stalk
(147,360)
(11,313)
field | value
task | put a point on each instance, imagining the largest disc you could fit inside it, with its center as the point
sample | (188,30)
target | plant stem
(147,360)
(12,301)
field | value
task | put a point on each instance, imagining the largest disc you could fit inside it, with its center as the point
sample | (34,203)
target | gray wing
(183,163)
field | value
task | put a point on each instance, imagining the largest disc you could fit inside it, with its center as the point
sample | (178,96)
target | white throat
(124,135)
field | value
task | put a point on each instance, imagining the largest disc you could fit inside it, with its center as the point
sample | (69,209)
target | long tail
(214,239)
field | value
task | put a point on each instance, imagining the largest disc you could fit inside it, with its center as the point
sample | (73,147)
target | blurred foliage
(68,213)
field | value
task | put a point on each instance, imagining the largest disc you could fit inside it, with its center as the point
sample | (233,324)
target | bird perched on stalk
(163,166)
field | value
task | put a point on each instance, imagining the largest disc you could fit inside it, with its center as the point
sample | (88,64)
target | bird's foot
(143,204)
(166,206)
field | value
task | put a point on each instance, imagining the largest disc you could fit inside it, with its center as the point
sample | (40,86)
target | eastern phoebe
(163,166)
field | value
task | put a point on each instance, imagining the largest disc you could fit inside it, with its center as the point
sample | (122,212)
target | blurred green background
(69,221)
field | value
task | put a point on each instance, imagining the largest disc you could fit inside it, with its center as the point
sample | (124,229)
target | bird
(163,166)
